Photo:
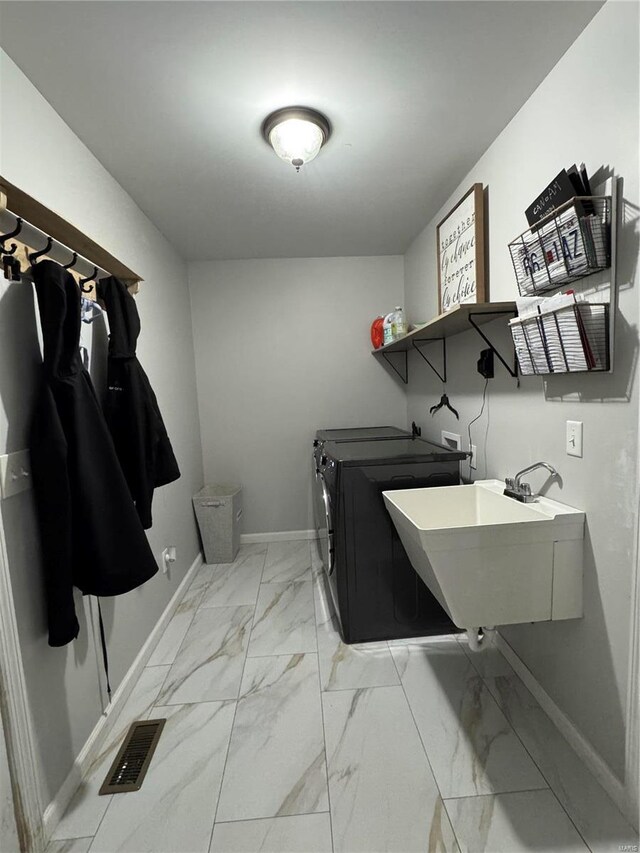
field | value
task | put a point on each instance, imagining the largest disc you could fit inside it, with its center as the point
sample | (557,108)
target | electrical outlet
(168,556)
(574,438)
(15,474)
(473,462)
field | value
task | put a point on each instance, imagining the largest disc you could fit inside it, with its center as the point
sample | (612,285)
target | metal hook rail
(5,237)
(39,222)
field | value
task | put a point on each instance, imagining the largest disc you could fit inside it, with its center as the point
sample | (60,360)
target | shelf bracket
(404,375)
(416,345)
(513,371)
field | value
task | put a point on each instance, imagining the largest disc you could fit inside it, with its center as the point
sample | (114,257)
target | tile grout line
(366,687)
(147,716)
(291,580)
(244,604)
(274,817)
(286,585)
(507,720)
(161,705)
(433,775)
(549,785)
(324,731)
(195,611)
(500,794)
(153,707)
(101,822)
(282,654)
(235,712)
(524,746)
(297,579)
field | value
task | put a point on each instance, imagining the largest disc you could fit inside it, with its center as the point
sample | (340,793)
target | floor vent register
(132,761)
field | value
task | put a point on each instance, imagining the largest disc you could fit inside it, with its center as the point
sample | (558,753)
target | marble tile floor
(281,738)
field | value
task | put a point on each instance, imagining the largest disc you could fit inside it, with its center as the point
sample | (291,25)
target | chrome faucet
(522,491)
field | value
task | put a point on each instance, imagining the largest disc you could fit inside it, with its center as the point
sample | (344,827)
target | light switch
(15,473)
(574,438)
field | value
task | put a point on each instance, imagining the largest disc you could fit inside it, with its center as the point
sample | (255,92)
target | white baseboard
(57,807)
(280,536)
(577,741)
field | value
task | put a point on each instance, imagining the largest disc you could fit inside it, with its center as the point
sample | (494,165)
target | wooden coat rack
(43,223)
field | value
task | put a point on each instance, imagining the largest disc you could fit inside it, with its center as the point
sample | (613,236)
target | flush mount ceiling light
(296,134)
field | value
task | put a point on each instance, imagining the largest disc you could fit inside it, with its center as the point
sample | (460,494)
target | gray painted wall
(42,156)
(584,110)
(282,348)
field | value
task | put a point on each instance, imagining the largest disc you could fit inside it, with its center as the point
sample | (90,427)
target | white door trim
(632,753)
(8,829)
(20,742)
(632,746)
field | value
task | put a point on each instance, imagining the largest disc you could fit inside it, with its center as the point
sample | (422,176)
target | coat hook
(84,281)
(74,261)
(8,236)
(35,255)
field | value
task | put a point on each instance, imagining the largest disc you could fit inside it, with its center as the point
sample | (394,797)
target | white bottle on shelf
(398,324)
(387,328)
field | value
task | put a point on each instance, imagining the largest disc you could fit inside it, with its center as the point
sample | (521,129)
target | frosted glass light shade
(296,139)
(296,134)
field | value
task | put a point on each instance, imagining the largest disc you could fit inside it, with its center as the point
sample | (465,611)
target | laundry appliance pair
(375,591)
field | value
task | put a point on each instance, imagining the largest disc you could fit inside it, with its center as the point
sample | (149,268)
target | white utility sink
(489,559)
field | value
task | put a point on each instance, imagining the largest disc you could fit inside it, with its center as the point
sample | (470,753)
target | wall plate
(15,474)
(451,439)
(574,438)
(473,461)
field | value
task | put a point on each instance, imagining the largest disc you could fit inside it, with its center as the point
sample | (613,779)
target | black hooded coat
(90,532)
(131,408)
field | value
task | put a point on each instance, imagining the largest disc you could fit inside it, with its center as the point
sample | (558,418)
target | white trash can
(218,509)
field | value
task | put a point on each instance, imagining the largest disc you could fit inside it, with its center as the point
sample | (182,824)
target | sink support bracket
(403,374)
(513,371)
(417,347)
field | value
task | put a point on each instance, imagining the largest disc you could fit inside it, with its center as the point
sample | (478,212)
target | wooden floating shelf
(450,323)
(460,319)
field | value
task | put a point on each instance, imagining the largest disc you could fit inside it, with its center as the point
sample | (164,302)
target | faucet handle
(525,489)
(510,483)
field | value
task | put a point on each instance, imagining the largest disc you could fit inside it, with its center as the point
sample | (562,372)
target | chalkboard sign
(460,238)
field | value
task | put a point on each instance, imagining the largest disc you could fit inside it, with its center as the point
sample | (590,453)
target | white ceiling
(170,97)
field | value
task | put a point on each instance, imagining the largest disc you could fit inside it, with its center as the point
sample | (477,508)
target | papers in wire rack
(562,336)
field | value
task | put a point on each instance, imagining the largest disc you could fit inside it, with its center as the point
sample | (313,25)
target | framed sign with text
(460,239)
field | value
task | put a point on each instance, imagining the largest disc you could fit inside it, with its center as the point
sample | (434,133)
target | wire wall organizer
(572,242)
(572,339)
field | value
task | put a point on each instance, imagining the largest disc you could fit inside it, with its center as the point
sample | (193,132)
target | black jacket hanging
(131,408)
(90,532)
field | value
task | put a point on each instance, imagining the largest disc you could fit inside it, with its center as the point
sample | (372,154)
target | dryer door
(318,500)
(324,523)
